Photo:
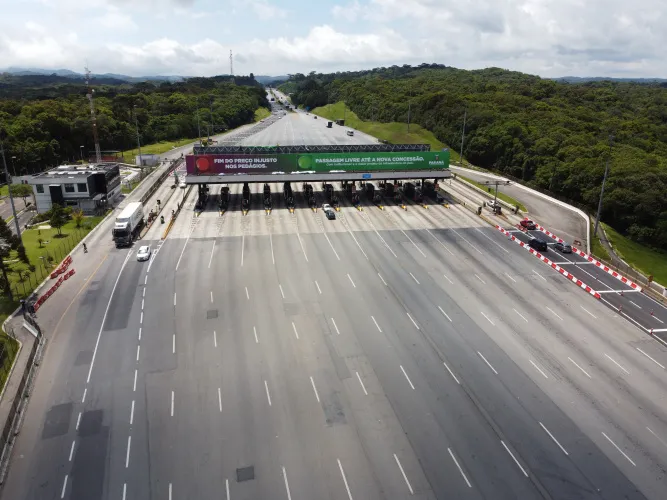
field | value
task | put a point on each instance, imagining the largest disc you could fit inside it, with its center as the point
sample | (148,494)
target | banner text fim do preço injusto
(315,162)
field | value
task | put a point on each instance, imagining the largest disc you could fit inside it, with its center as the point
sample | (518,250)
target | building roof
(74,171)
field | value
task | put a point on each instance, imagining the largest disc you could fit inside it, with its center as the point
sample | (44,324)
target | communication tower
(89,95)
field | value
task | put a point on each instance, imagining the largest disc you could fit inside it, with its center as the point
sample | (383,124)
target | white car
(144,253)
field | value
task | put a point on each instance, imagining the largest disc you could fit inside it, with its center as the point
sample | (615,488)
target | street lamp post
(9,182)
(604,180)
(136,124)
(81,151)
(463,132)
(13,166)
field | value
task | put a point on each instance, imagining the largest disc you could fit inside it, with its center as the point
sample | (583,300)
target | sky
(550,38)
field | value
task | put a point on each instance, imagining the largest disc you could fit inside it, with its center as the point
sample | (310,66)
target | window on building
(39,187)
(69,188)
(82,187)
(71,203)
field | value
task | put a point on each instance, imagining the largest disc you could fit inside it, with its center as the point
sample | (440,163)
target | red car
(528,224)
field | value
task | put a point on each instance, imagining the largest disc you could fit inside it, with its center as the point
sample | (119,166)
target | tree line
(551,135)
(51,121)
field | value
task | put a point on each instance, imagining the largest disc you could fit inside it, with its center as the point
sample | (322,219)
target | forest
(47,119)
(555,136)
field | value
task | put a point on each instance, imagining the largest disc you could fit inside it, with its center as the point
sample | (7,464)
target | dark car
(528,224)
(539,244)
(561,246)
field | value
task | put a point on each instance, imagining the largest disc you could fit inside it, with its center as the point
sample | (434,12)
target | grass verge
(154,149)
(598,249)
(646,260)
(4,190)
(8,350)
(394,132)
(501,195)
(261,114)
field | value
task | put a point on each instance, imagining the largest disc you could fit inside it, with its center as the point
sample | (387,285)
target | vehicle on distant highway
(350,132)
(561,246)
(539,244)
(315,117)
(528,224)
(329,211)
(144,253)
(182,185)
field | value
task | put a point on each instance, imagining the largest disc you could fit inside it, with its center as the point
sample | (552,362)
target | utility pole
(211,119)
(13,166)
(136,124)
(9,184)
(198,126)
(409,109)
(98,153)
(231,64)
(604,180)
(463,132)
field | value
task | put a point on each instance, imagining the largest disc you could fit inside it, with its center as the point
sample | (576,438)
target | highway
(385,354)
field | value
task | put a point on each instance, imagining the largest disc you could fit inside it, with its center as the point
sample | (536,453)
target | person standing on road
(85,248)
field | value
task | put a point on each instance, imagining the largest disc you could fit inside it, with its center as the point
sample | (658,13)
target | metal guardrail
(338,148)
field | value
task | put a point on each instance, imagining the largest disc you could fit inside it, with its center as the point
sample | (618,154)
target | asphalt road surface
(385,354)
(567,223)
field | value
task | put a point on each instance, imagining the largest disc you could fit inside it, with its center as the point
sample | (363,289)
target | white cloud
(115,19)
(265,10)
(350,12)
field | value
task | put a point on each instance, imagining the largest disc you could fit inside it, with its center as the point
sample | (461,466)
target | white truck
(128,224)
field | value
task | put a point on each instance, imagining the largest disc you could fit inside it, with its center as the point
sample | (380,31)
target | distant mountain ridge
(76,76)
(584,79)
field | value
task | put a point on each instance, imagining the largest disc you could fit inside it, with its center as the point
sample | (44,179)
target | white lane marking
(510,277)
(173,343)
(134,387)
(62,492)
(464,239)
(355,240)
(480,279)
(406,376)
(451,373)
(302,249)
(174,299)
(438,240)
(281,290)
(588,311)
(492,240)
(227,488)
(335,326)
(127,454)
(383,281)
(78,421)
(616,363)
(635,304)
(350,278)
(575,364)
(522,316)
(658,319)
(514,458)
(413,277)
(211,296)
(146,280)
(268,396)
(273,259)
(106,311)
(295,332)
(315,389)
(141,318)
(318,287)
(415,245)
(659,438)
(376,324)
(362,384)
(621,451)
(289,495)
(554,313)
(482,356)
(383,241)
(342,473)
(142,302)
(124,490)
(211,258)
(219,400)
(332,247)
(247,295)
(85,391)
(242,248)
(450,281)
(138,350)
(538,368)
(215,339)
(132,413)
(538,274)
(489,319)
(254,330)
(139,333)
(398,462)
(459,467)
(71,451)
(446,315)
(649,357)
(172,403)
(554,439)
(183,251)
(143,295)
(169,491)
(413,321)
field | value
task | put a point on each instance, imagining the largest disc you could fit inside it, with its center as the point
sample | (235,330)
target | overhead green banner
(316,162)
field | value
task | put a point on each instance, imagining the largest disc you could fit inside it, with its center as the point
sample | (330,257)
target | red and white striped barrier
(599,264)
(555,266)
(62,268)
(55,287)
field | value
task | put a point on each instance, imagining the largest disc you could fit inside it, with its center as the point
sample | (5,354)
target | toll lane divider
(555,266)
(53,289)
(62,268)
(589,258)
